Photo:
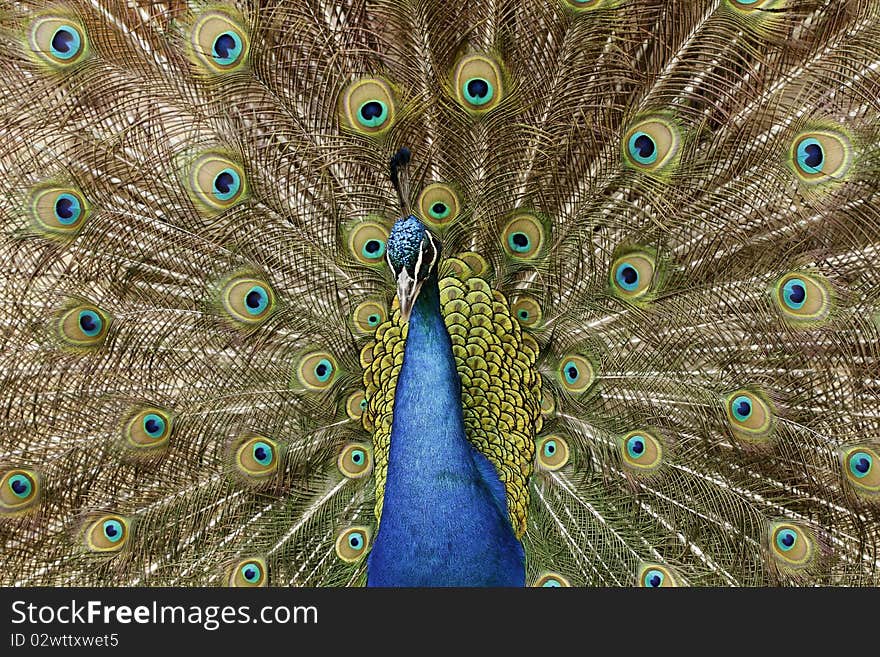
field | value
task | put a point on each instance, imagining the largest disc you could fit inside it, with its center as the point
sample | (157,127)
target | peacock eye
(227,184)
(551,580)
(248,301)
(478,83)
(67,209)
(785,540)
(372,113)
(741,407)
(113,530)
(18,491)
(367,316)
(632,275)
(553,453)
(147,429)
(523,237)
(810,155)
(627,276)
(90,322)
(356,404)
(373,249)
(83,326)
(527,311)
(642,451)
(216,182)
(256,300)
(57,212)
(643,148)
(256,457)
(368,242)
(317,370)
(66,42)
(439,204)
(58,41)
(439,210)
(635,447)
(219,42)
(248,573)
(354,461)
(655,576)
(154,425)
(323,370)
(821,155)
(227,48)
(478,91)
(21,485)
(352,543)
(576,373)
(751,416)
(651,144)
(251,573)
(803,300)
(368,106)
(860,464)
(107,534)
(262,453)
(794,293)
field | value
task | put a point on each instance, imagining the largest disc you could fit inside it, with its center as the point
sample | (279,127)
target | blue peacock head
(413,253)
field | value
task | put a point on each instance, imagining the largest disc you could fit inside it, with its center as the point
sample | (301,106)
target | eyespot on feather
(351,544)
(523,237)
(317,370)
(355,461)
(792,545)
(655,575)
(820,156)
(803,299)
(632,275)
(548,404)
(861,469)
(439,205)
(147,429)
(751,416)
(107,533)
(478,83)
(527,311)
(216,182)
(256,457)
(249,573)
(651,144)
(368,106)
(356,404)
(641,451)
(58,41)
(367,241)
(83,326)
(219,42)
(552,453)
(576,373)
(247,300)
(368,316)
(19,491)
(57,212)
(551,580)
(761,6)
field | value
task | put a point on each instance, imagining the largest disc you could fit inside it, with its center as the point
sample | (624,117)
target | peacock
(440,293)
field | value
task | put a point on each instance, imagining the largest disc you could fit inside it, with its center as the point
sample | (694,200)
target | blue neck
(444,518)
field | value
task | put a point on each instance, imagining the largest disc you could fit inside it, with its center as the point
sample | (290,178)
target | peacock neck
(444,519)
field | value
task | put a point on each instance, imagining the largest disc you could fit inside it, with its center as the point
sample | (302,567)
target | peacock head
(413,254)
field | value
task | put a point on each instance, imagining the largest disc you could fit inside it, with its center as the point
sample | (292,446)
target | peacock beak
(407,293)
